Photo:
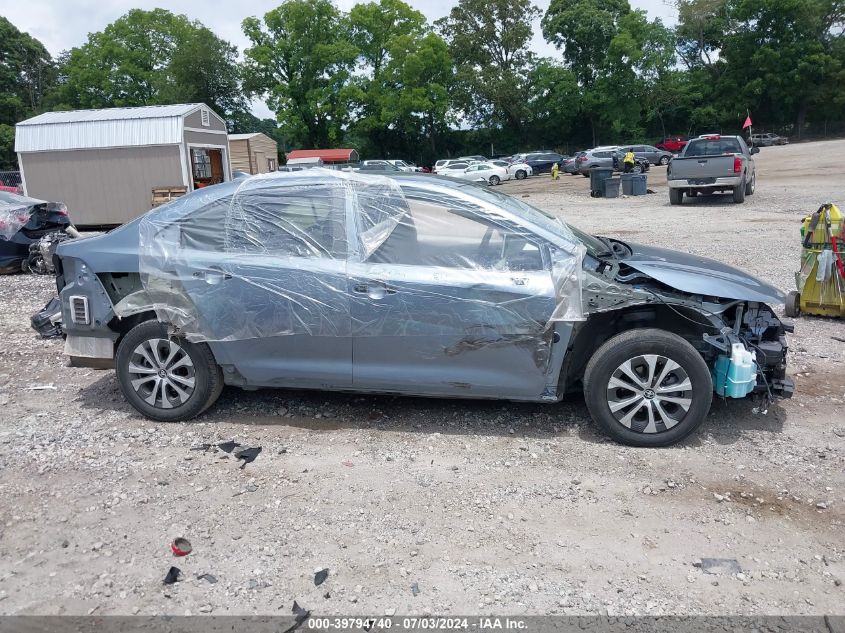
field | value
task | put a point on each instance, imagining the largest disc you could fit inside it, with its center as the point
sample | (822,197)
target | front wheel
(664,160)
(494,180)
(792,304)
(648,387)
(164,378)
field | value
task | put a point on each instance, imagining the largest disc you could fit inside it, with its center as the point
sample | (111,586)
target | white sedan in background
(518,169)
(487,172)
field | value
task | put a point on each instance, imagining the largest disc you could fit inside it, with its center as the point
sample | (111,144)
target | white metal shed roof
(111,127)
(243,137)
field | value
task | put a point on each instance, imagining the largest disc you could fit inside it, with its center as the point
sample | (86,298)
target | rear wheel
(739,192)
(664,160)
(792,304)
(752,184)
(648,387)
(494,180)
(520,174)
(676,196)
(166,379)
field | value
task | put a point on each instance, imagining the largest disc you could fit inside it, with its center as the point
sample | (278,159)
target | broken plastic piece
(320,577)
(248,455)
(415,589)
(228,447)
(210,579)
(299,616)
(48,321)
(172,575)
(718,566)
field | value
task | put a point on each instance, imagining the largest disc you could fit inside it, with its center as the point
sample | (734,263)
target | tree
(301,60)
(488,41)
(27,72)
(148,58)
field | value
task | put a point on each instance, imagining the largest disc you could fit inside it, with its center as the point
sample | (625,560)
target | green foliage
(301,61)
(488,41)
(148,58)
(27,72)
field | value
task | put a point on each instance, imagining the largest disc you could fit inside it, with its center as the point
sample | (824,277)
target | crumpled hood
(700,275)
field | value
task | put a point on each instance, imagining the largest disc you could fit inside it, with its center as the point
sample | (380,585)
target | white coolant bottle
(742,373)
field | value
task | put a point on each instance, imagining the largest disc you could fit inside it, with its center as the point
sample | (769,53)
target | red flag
(747,122)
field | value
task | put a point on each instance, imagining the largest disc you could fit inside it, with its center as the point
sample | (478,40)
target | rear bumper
(718,183)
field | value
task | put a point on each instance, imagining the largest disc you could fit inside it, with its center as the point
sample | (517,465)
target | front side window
(440,230)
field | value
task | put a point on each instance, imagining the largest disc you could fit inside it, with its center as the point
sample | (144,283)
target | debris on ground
(228,447)
(209,578)
(320,577)
(200,447)
(248,455)
(181,546)
(415,589)
(48,320)
(719,566)
(172,575)
(299,616)
(50,387)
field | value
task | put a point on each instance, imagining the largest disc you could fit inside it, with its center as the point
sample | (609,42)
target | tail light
(737,164)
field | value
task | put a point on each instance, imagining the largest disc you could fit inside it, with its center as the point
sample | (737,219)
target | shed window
(271,164)
(204,117)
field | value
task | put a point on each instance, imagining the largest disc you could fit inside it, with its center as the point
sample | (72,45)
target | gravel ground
(434,506)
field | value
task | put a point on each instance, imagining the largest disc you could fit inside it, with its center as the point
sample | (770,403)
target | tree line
(385,80)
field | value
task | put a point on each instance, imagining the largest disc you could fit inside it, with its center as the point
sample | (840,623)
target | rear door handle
(374,289)
(212,275)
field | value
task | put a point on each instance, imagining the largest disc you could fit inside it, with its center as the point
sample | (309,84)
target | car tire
(657,412)
(664,160)
(739,192)
(521,174)
(676,196)
(585,175)
(494,180)
(792,304)
(751,185)
(142,351)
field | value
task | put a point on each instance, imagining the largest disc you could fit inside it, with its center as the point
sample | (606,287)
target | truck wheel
(676,196)
(752,184)
(739,192)
(648,387)
(166,379)
(792,304)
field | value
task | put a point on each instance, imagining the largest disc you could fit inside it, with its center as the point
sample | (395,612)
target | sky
(63,24)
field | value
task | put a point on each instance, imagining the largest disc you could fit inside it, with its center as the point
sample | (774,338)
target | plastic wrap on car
(16,210)
(305,252)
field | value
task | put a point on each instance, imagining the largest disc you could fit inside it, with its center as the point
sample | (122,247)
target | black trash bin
(597,177)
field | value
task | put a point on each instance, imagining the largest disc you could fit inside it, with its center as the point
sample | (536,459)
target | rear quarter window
(705,147)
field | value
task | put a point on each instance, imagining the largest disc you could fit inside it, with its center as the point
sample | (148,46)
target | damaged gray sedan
(414,285)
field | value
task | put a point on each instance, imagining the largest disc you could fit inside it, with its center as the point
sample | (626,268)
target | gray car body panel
(455,365)
(700,275)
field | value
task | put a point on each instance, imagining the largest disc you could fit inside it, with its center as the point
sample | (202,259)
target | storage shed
(328,156)
(254,153)
(105,164)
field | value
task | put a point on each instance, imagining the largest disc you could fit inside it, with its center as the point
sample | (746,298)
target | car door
(264,282)
(455,301)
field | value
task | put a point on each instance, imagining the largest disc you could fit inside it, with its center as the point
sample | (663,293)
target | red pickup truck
(672,144)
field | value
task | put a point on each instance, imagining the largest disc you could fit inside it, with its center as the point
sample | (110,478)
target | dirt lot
(446,507)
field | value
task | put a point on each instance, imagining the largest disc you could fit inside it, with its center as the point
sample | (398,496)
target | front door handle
(374,289)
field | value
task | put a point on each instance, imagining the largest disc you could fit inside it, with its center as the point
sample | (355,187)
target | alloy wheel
(162,373)
(649,393)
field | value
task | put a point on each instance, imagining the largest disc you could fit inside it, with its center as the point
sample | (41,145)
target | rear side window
(714,147)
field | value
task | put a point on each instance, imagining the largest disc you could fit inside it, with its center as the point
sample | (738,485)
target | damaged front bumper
(760,332)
